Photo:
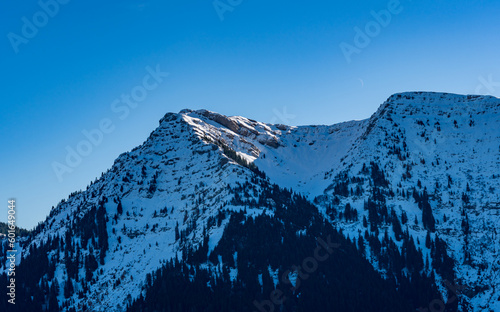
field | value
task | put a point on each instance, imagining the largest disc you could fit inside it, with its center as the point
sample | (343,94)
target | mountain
(4,230)
(394,213)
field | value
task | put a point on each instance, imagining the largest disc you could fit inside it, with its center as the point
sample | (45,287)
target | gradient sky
(264,59)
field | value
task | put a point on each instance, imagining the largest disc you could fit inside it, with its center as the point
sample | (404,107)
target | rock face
(424,168)
(243,127)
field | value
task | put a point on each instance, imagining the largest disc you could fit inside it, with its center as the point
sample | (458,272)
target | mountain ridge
(163,194)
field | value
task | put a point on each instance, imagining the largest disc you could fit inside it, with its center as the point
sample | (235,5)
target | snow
(193,181)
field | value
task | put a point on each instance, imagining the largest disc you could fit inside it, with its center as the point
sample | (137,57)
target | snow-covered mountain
(423,170)
(447,144)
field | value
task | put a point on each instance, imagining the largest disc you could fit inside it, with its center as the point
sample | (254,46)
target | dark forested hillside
(291,260)
(4,229)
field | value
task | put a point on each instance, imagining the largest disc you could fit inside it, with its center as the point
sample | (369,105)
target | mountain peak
(441,98)
(189,190)
(422,103)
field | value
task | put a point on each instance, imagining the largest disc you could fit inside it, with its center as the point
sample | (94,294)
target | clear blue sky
(263,59)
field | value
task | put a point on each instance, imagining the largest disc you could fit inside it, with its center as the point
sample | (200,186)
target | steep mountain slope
(171,198)
(294,157)
(445,145)
(412,186)
(165,188)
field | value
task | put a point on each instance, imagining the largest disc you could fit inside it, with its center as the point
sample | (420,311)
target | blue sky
(277,61)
